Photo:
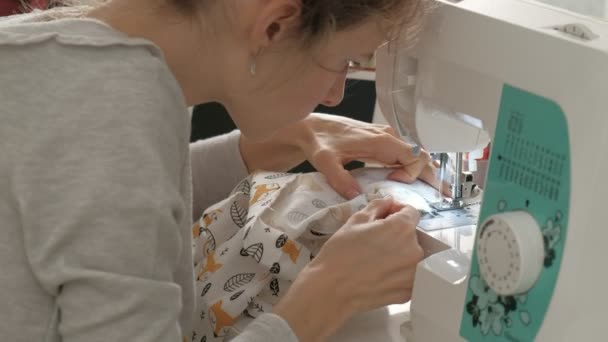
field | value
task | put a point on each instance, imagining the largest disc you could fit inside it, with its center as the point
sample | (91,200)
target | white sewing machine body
(534,80)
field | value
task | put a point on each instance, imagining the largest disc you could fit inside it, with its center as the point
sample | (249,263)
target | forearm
(312,307)
(267,328)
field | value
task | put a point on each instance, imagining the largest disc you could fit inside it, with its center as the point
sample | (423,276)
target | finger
(410,171)
(402,176)
(360,217)
(408,174)
(338,178)
(390,130)
(407,214)
(388,149)
(412,154)
(397,206)
(379,208)
(413,168)
(429,175)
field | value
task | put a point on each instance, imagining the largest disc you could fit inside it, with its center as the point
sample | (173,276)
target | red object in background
(486,153)
(10,7)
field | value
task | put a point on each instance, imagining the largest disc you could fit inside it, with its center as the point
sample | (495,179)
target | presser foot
(448,204)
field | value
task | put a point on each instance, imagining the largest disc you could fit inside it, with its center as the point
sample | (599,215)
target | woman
(95,175)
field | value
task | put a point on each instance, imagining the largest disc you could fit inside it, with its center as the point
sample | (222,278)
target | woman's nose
(335,95)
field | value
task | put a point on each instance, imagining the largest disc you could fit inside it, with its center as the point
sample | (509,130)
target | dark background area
(211,119)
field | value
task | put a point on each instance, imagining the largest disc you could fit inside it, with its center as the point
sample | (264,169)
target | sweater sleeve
(267,328)
(217,166)
(100,192)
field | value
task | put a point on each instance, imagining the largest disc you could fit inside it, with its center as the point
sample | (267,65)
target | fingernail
(416,150)
(353,193)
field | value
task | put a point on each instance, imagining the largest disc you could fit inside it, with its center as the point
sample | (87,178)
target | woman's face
(290,81)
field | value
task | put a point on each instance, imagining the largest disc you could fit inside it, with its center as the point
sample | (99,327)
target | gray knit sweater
(96,189)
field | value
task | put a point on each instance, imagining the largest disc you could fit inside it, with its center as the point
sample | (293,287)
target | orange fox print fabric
(249,247)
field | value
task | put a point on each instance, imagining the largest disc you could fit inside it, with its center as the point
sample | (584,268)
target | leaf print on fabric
(259,308)
(319,204)
(278,175)
(274,287)
(296,217)
(209,244)
(238,214)
(281,241)
(237,295)
(243,187)
(276,268)
(206,289)
(314,225)
(225,251)
(248,315)
(235,282)
(314,228)
(247,232)
(256,251)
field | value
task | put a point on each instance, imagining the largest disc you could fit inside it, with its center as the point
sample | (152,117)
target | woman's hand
(329,142)
(332,141)
(369,263)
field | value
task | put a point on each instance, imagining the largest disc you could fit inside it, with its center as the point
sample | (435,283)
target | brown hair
(58,9)
(321,17)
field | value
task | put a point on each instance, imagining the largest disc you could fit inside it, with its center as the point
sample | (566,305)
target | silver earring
(252,67)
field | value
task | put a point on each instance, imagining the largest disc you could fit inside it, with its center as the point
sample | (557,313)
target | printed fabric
(250,247)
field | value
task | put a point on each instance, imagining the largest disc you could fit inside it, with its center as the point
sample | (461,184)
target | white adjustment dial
(510,252)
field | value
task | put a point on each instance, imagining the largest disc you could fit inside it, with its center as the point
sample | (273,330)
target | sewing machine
(532,79)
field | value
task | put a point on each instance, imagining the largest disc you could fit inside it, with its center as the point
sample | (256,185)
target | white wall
(596,8)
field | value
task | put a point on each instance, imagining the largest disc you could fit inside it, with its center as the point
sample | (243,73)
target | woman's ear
(276,19)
